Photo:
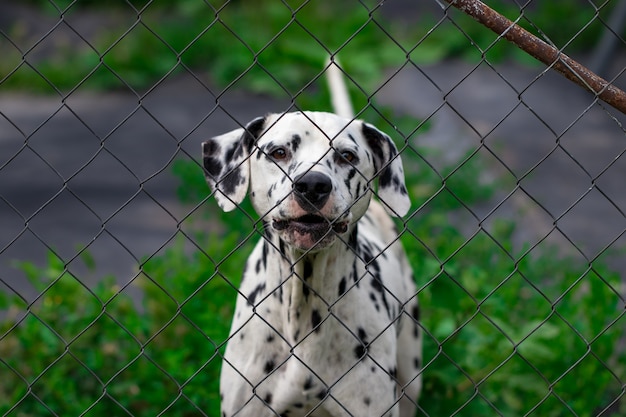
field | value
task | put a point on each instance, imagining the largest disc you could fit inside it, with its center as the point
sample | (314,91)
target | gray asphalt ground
(95,170)
(64,191)
(560,152)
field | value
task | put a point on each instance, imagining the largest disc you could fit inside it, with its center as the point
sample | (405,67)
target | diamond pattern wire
(118,273)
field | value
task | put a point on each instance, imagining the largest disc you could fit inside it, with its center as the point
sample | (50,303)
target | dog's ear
(388,165)
(226,166)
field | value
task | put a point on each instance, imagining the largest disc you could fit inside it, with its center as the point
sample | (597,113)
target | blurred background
(118,273)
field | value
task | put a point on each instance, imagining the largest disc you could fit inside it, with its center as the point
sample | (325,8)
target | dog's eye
(348,156)
(278,154)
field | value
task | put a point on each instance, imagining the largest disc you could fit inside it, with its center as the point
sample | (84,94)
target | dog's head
(310,174)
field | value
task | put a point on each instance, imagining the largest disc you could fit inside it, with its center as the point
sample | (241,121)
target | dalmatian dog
(326,320)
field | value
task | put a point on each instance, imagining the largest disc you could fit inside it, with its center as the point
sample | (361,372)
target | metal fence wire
(119,272)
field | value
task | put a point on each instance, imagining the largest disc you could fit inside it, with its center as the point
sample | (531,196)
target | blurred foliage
(271,46)
(95,352)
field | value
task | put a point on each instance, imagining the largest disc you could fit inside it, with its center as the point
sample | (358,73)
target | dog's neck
(308,293)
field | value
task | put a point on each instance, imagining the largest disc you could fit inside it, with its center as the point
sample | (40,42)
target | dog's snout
(312,190)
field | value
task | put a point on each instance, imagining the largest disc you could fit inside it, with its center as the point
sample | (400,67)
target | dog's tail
(339,95)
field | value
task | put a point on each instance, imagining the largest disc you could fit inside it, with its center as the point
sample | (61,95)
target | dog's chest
(330,318)
(327,306)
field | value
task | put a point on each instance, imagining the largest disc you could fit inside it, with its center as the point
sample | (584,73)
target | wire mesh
(119,273)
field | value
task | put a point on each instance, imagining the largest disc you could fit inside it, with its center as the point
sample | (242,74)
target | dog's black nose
(312,190)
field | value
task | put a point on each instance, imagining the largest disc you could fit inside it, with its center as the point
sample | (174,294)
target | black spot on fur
(417,363)
(374,267)
(269,366)
(359,189)
(282,248)
(308,383)
(322,394)
(415,313)
(265,251)
(230,181)
(280,294)
(213,166)
(308,269)
(377,283)
(234,152)
(362,335)
(374,139)
(268,398)
(372,296)
(267,230)
(210,147)
(367,401)
(355,275)
(348,179)
(351,173)
(386,178)
(352,240)
(342,286)
(377,142)
(359,351)
(378,286)
(295,142)
(254,293)
(316,319)
(252,132)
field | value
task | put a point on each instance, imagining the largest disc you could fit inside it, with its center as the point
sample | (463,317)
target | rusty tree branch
(545,53)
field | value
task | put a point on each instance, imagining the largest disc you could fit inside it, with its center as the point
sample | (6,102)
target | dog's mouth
(311,228)
(311,231)
(311,224)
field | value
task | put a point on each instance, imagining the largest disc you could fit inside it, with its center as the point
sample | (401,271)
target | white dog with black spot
(326,322)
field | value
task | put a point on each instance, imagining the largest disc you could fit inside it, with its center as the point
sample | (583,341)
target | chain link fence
(119,273)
